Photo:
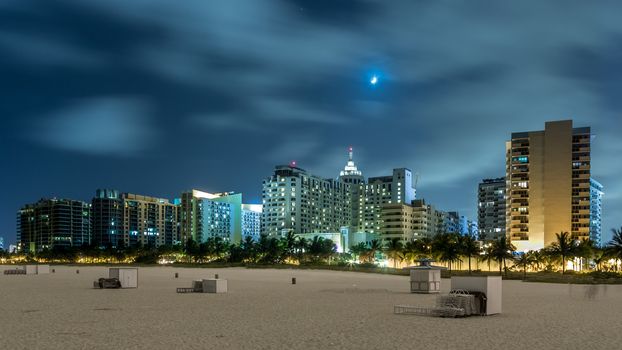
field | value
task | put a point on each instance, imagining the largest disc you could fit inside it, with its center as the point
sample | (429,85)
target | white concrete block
(128,276)
(30,269)
(490,285)
(43,269)
(214,286)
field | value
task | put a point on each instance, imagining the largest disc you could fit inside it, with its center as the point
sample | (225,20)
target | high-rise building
(491,209)
(53,223)
(596,197)
(149,221)
(296,201)
(1,243)
(107,218)
(393,189)
(409,221)
(251,221)
(206,215)
(548,185)
(130,219)
(354,177)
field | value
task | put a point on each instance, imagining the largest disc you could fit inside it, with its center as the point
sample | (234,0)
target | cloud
(46,50)
(291,79)
(102,126)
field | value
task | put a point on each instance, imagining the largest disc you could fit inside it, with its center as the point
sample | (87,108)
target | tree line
(451,249)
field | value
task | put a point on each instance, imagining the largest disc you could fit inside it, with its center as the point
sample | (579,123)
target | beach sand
(263,310)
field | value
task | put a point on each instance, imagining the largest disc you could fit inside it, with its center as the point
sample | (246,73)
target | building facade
(491,210)
(378,191)
(596,203)
(251,221)
(548,185)
(53,223)
(297,201)
(206,215)
(149,221)
(107,218)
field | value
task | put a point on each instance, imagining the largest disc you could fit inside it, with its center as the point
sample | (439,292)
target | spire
(350,168)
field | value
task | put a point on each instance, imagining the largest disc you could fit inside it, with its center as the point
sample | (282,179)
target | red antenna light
(350,149)
(292,164)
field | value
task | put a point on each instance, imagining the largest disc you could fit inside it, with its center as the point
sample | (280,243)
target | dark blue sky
(155,97)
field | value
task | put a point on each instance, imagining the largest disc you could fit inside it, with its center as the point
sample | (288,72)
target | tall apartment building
(296,201)
(491,209)
(596,198)
(409,222)
(378,191)
(149,221)
(206,215)
(130,219)
(251,221)
(53,222)
(548,185)
(107,218)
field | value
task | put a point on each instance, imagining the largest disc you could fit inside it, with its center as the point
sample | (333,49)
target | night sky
(156,96)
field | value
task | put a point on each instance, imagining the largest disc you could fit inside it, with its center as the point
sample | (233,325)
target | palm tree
(585,250)
(411,252)
(525,260)
(501,250)
(288,243)
(445,246)
(468,246)
(563,247)
(424,246)
(488,256)
(394,250)
(614,247)
(372,248)
(359,251)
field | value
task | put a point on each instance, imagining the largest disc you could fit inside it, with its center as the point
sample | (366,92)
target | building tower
(596,198)
(296,201)
(548,185)
(491,209)
(354,177)
(107,218)
(53,223)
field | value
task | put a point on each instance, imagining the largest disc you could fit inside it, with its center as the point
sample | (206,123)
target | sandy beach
(263,310)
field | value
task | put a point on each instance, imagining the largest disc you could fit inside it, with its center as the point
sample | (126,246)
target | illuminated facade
(107,218)
(299,202)
(548,185)
(378,191)
(206,215)
(596,197)
(130,219)
(251,221)
(53,223)
(491,209)
(149,221)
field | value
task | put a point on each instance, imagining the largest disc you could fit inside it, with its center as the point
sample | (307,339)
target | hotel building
(130,219)
(52,223)
(206,215)
(491,209)
(251,221)
(596,198)
(149,221)
(548,185)
(297,201)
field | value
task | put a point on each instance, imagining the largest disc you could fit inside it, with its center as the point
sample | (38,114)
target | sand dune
(263,310)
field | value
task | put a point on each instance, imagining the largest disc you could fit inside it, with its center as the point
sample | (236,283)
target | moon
(373,80)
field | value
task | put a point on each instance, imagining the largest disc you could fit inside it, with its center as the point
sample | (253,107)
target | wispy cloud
(103,126)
